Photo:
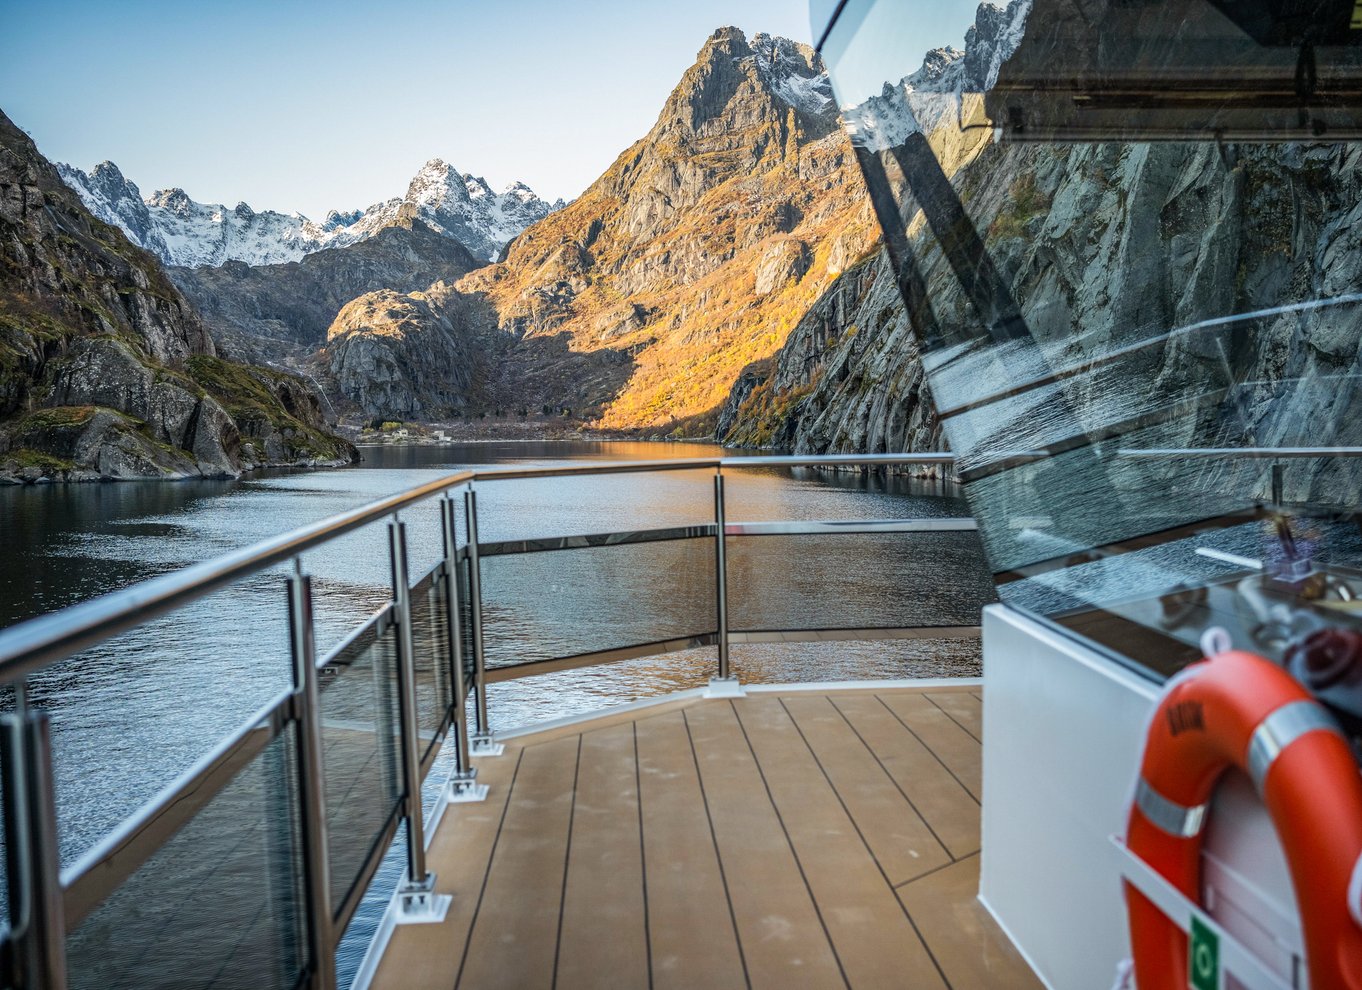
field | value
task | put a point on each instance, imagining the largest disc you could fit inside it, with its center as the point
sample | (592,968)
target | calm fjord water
(132,714)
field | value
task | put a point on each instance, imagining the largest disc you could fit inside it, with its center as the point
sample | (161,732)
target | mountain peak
(182,232)
(174,199)
(728,39)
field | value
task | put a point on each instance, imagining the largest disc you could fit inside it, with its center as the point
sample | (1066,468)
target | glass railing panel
(847,492)
(130,715)
(361,754)
(855,660)
(430,642)
(466,620)
(351,577)
(607,503)
(856,581)
(561,694)
(539,606)
(219,906)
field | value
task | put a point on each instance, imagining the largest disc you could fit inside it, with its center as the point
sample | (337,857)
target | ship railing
(256,858)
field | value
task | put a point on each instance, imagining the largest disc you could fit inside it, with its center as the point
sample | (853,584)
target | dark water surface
(132,714)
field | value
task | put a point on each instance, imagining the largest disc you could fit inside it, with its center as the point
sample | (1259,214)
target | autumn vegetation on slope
(696,253)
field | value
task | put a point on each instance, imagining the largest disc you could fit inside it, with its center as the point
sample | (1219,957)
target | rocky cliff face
(406,357)
(105,369)
(848,378)
(281,313)
(637,306)
(186,233)
(694,255)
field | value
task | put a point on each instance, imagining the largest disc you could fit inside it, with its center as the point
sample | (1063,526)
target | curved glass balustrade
(277,829)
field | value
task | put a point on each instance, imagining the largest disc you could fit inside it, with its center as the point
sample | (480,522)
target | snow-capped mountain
(461,206)
(934,94)
(793,71)
(183,232)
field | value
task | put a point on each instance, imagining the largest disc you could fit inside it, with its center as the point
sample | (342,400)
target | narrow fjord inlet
(862,496)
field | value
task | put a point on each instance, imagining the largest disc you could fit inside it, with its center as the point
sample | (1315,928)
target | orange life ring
(1239,710)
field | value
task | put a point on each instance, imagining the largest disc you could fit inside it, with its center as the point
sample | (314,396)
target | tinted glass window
(1143,341)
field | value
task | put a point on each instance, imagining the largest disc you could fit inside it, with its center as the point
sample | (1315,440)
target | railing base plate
(418,904)
(464,789)
(725,687)
(485,746)
(422,908)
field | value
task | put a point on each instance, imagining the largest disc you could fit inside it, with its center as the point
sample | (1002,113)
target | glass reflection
(1137,343)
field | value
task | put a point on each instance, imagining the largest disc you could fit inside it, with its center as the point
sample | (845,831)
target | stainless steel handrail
(32,644)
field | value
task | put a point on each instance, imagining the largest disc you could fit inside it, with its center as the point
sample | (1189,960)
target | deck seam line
(963,727)
(567,862)
(832,946)
(912,922)
(929,749)
(718,856)
(487,872)
(838,794)
(885,876)
(527,740)
(934,870)
(876,756)
(642,855)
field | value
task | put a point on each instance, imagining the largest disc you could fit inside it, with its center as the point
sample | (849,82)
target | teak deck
(777,840)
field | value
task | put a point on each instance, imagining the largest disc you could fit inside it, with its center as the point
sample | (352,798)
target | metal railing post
(37,920)
(1278,484)
(484,743)
(311,781)
(725,683)
(417,893)
(463,785)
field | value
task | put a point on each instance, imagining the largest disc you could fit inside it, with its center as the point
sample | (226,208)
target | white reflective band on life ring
(1173,818)
(1355,893)
(1279,730)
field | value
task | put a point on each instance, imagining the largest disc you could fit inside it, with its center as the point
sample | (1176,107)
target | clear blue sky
(311,105)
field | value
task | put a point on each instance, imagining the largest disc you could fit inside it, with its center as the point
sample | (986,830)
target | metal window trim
(104,867)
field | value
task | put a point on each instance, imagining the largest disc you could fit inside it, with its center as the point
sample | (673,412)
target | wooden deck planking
(937,795)
(515,934)
(956,748)
(762,842)
(691,933)
(964,709)
(428,957)
(603,941)
(781,934)
(964,939)
(902,843)
(875,944)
